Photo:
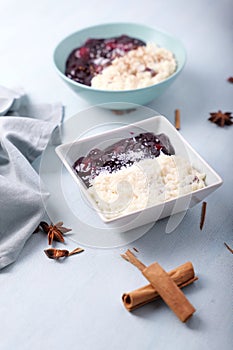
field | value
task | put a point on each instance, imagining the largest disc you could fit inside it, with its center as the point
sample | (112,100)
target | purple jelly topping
(90,59)
(121,154)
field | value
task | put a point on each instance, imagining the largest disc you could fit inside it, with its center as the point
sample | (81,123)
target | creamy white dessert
(139,68)
(144,184)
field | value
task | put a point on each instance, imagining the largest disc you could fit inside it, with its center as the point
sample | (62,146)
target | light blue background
(77,304)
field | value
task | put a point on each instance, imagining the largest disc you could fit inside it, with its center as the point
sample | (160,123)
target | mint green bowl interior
(126,97)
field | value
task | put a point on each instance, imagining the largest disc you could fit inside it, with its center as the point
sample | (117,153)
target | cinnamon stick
(182,275)
(228,247)
(203,214)
(177,119)
(165,287)
(169,291)
(129,256)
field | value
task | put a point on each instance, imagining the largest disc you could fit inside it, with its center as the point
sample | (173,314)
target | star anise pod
(54,232)
(56,254)
(230,79)
(221,118)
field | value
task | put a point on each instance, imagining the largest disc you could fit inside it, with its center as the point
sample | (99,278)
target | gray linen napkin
(22,140)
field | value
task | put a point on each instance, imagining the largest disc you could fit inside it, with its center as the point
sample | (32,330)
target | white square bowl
(70,152)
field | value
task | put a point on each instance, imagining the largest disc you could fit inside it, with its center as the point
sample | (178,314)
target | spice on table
(169,291)
(129,256)
(56,254)
(203,214)
(230,80)
(165,286)
(54,232)
(53,253)
(228,247)
(135,249)
(182,275)
(177,119)
(221,119)
(76,251)
(37,229)
(122,111)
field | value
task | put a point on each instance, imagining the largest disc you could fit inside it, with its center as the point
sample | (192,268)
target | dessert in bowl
(119,62)
(138,173)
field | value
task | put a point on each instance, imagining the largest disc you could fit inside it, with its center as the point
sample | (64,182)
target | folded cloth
(10,99)
(22,140)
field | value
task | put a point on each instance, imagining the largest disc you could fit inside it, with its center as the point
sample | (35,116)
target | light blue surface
(139,31)
(77,303)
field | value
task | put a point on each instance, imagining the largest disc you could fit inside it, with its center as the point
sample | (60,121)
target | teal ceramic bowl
(120,99)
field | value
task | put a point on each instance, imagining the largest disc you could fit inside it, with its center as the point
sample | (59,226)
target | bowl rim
(90,88)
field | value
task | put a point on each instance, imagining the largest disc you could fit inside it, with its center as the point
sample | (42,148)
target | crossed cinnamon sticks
(162,284)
